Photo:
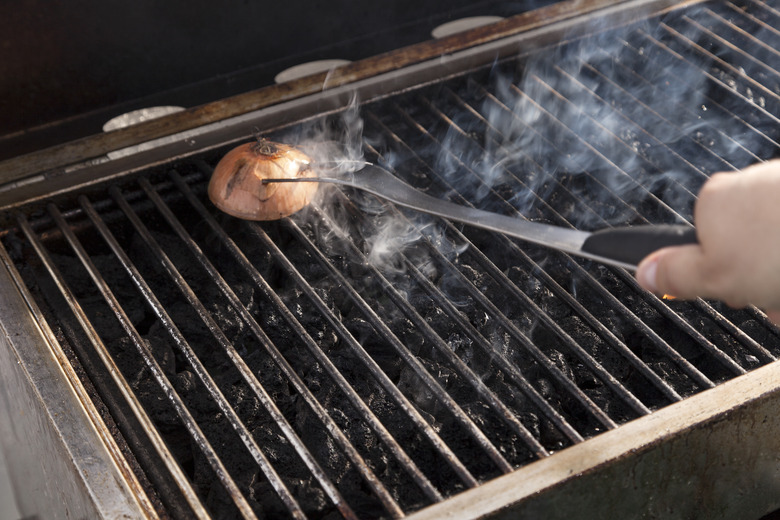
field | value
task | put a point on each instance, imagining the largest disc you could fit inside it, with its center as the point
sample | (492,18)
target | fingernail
(648,274)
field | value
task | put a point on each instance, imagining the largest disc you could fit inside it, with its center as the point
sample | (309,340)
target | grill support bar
(321,413)
(358,350)
(187,419)
(165,455)
(241,309)
(213,389)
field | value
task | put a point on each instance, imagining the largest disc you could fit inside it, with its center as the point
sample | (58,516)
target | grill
(360,360)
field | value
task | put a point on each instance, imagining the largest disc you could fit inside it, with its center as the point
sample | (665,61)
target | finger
(774,316)
(675,271)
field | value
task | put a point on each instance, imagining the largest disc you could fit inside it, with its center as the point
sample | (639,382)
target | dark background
(67,67)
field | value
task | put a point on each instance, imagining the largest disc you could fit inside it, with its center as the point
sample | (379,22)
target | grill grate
(366,361)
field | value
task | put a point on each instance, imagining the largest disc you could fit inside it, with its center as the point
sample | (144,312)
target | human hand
(737,259)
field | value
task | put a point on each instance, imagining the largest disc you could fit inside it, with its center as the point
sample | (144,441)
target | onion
(236,185)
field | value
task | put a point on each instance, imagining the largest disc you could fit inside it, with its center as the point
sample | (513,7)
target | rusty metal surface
(69,68)
(60,156)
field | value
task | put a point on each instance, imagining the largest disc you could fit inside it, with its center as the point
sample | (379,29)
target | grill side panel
(722,464)
(94,479)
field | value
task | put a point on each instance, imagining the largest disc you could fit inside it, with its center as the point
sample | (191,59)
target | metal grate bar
(612,94)
(755,44)
(735,332)
(598,155)
(375,369)
(537,354)
(419,369)
(691,331)
(413,362)
(455,129)
(246,437)
(707,345)
(504,412)
(489,349)
(192,427)
(572,345)
(751,344)
(497,356)
(688,368)
(381,492)
(378,374)
(765,51)
(666,113)
(717,142)
(602,330)
(527,301)
(159,445)
(583,274)
(640,57)
(716,81)
(489,131)
(760,6)
(770,109)
(746,15)
(368,416)
(742,130)
(550,282)
(615,201)
(145,500)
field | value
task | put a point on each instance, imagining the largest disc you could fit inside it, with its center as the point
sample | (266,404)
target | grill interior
(365,361)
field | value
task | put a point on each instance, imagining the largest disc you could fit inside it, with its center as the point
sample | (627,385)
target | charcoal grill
(358,360)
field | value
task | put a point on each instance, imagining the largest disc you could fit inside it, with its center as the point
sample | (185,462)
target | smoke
(622,126)
(621,120)
(334,143)
(387,238)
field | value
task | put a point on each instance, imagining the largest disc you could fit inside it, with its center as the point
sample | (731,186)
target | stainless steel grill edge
(714,455)
(57,443)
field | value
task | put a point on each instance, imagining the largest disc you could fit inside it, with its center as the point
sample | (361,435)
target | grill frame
(47,410)
(752,397)
(681,461)
(86,161)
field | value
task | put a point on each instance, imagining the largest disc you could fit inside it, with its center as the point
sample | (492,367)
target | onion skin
(237,188)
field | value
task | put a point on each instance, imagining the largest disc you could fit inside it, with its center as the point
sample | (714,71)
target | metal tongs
(619,246)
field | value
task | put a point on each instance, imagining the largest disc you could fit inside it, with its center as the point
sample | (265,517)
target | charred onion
(237,188)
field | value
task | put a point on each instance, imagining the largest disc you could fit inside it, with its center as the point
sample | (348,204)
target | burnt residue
(242,169)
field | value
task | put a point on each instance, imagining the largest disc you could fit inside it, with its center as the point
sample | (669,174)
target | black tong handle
(632,243)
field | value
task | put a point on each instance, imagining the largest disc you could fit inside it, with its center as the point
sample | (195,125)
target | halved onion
(236,185)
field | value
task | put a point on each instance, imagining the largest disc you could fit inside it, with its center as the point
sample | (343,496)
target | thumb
(675,271)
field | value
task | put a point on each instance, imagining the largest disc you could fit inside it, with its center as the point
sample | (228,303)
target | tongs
(618,246)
